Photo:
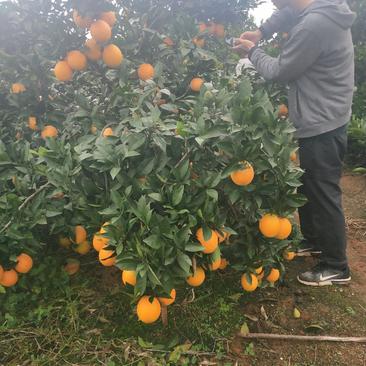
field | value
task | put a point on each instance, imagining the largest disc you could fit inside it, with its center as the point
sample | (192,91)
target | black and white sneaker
(322,275)
(306,250)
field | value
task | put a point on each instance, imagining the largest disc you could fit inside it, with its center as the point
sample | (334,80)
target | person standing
(317,63)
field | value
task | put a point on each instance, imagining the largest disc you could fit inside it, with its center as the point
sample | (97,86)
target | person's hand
(243,46)
(254,36)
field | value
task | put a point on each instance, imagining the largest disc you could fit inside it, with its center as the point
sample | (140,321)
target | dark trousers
(322,219)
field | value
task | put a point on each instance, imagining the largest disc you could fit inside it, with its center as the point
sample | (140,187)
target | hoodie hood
(336,10)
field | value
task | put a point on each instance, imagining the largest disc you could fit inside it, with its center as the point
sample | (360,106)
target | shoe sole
(343,281)
(307,254)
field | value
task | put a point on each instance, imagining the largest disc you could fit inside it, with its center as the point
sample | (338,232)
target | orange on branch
(129,277)
(9,278)
(101,31)
(107,257)
(215,265)
(273,276)
(109,17)
(112,56)
(210,244)
(81,22)
(196,84)
(49,131)
(76,60)
(83,248)
(284,229)
(146,72)
(244,176)
(148,311)
(24,263)
(166,301)
(246,284)
(17,88)
(32,123)
(269,225)
(197,278)
(63,71)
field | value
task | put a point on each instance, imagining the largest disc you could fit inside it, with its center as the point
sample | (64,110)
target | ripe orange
(168,41)
(17,88)
(199,42)
(83,248)
(146,71)
(91,43)
(293,156)
(166,301)
(259,270)
(32,123)
(274,275)
(215,265)
(112,56)
(289,256)
(63,71)
(129,277)
(282,111)
(101,31)
(224,263)
(72,266)
(24,263)
(93,51)
(64,242)
(196,84)
(285,228)
(99,242)
(197,278)
(202,27)
(76,60)
(1,272)
(247,286)
(107,257)
(80,234)
(109,17)
(211,27)
(210,245)
(81,22)
(9,278)
(107,132)
(269,225)
(148,311)
(219,30)
(49,131)
(244,176)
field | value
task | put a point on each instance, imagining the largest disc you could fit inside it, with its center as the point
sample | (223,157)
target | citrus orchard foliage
(141,144)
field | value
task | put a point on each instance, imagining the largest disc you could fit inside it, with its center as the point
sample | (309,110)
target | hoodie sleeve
(281,21)
(300,52)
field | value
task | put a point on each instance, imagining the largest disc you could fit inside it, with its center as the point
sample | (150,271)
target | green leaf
(153,241)
(114,171)
(156,196)
(177,195)
(191,247)
(184,261)
(213,193)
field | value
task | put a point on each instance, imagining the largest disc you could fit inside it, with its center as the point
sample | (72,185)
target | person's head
(280,4)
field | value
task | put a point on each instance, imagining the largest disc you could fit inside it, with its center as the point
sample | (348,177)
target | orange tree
(140,138)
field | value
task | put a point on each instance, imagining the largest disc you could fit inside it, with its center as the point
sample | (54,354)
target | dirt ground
(337,311)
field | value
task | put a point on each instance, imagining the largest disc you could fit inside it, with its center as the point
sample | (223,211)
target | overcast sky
(262,12)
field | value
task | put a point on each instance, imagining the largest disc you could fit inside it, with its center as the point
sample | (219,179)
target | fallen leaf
(251,317)
(314,328)
(297,314)
(244,330)
(264,314)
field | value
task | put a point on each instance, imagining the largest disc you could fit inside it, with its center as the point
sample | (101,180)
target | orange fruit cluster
(9,277)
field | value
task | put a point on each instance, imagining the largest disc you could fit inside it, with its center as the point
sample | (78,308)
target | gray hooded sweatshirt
(317,62)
